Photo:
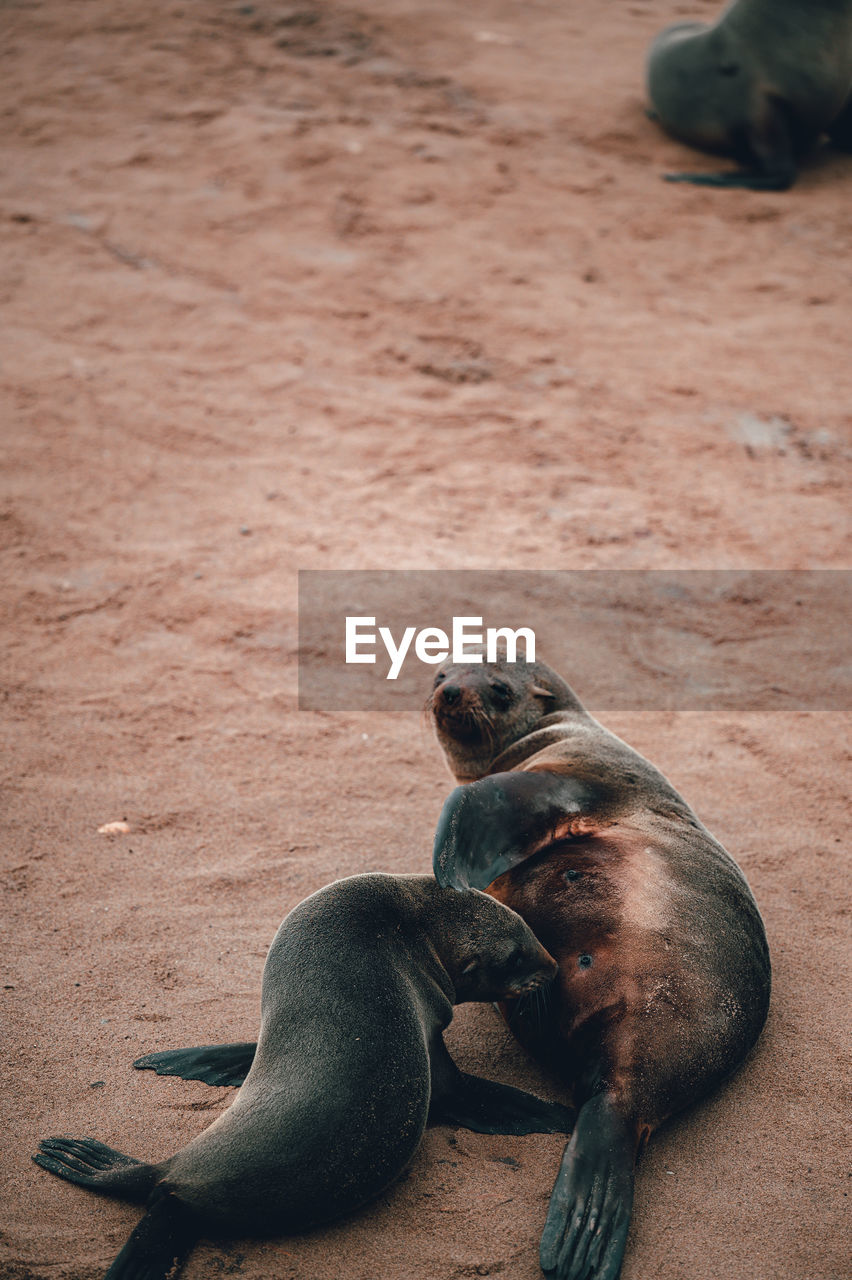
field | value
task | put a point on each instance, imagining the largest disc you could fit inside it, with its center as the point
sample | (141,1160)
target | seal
(664,973)
(761,84)
(358,987)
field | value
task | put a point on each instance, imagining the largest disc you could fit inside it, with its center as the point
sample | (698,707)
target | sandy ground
(397,287)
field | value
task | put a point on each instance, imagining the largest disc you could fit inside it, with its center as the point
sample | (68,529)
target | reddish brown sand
(296,287)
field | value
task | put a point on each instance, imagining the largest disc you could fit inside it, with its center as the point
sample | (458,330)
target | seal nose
(450,693)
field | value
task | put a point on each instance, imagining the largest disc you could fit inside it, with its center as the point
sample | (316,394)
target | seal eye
(503,692)
(585,961)
(571,875)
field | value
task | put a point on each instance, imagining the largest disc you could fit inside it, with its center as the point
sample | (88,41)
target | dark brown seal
(761,84)
(664,971)
(358,987)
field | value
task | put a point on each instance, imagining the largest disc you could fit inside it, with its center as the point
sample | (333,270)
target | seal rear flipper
(89,1163)
(160,1244)
(489,826)
(218,1064)
(488,1107)
(589,1213)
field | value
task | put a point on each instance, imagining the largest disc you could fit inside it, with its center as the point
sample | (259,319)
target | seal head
(480,709)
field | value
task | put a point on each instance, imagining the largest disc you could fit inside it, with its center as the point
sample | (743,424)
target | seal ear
(489,826)
(538,691)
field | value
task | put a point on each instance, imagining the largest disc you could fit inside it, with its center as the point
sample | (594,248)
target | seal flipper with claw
(165,1235)
(589,1213)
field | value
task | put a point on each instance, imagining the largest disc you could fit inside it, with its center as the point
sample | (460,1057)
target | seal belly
(646,1005)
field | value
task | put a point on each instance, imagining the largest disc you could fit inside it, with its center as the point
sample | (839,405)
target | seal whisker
(539,1008)
(480,718)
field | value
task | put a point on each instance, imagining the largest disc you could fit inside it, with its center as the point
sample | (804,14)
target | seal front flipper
(766,149)
(740,178)
(486,1106)
(778,180)
(589,1213)
(218,1064)
(489,826)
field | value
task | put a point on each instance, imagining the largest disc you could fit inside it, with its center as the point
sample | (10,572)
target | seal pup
(358,987)
(664,972)
(761,84)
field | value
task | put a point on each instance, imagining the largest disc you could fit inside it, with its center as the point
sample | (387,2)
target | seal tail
(89,1163)
(589,1214)
(160,1244)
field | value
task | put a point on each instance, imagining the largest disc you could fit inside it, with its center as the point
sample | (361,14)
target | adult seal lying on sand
(761,84)
(664,974)
(358,987)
